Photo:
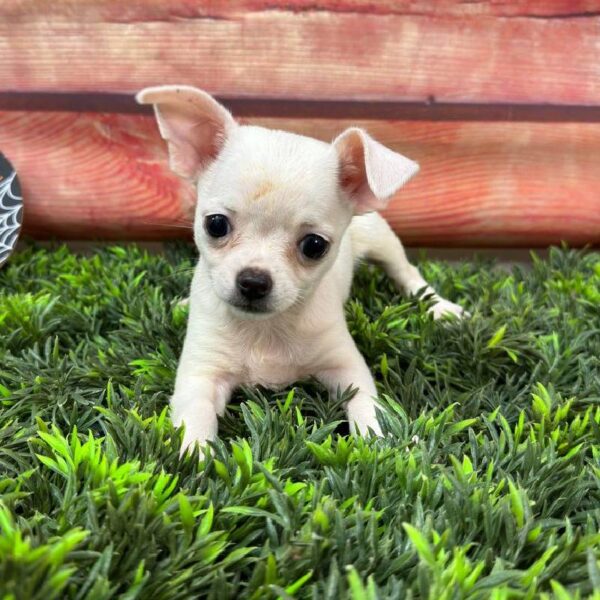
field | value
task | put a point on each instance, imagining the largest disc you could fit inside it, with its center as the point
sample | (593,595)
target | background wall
(499,102)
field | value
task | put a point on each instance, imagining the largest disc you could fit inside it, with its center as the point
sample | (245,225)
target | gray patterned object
(11,209)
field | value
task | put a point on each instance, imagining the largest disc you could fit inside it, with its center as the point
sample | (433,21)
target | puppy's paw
(362,419)
(200,424)
(183,302)
(444,308)
(374,429)
(190,442)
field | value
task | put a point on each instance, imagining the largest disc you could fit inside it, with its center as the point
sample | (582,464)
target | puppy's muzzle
(254,284)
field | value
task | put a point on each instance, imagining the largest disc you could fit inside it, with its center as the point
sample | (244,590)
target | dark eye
(217,225)
(313,246)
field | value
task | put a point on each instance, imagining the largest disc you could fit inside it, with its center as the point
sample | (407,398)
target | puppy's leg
(197,400)
(373,239)
(351,370)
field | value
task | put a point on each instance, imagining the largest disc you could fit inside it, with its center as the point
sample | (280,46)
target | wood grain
(394,51)
(496,184)
(93,176)
(162,10)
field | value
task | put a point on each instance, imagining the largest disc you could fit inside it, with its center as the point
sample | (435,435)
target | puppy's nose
(254,284)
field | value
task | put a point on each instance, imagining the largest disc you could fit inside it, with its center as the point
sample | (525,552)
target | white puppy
(280,222)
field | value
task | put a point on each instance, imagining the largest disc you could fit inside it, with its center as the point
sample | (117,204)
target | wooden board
(494,184)
(396,51)
(163,10)
(93,176)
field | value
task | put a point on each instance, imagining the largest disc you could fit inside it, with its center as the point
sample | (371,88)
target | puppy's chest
(273,360)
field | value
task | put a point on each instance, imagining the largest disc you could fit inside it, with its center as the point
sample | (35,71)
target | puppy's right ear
(192,122)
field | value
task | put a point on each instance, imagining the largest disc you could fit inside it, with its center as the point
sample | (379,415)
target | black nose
(254,284)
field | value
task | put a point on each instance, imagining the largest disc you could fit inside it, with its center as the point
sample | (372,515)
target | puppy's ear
(369,172)
(194,124)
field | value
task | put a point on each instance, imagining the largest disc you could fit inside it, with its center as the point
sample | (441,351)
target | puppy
(280,222)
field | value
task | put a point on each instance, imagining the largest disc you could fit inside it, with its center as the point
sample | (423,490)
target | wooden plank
(485,52)
(100,176)
(161,10)
(489,184)
(494,184)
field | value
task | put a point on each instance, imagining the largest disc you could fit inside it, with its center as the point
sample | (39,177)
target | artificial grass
(487,486)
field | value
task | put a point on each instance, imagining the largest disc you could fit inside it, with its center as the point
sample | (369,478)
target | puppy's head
(272,206)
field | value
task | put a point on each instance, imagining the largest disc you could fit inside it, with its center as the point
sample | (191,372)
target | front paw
(362,417)
(444,308)
(190,441)
(199,421)
(365,429)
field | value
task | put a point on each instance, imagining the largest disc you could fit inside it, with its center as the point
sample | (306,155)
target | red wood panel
(483,52)
(135,10)
(93,176)
(493,184)
(489,184)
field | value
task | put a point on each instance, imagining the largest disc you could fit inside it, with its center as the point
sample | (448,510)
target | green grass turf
(487,486)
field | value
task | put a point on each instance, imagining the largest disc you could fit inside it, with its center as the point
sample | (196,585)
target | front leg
(199,397)
(352,370)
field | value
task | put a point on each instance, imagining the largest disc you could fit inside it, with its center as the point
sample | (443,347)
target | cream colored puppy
(280,222)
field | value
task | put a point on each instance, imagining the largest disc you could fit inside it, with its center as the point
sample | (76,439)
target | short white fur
(276,187)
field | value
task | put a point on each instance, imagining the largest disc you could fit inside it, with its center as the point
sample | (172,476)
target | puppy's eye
(217,226)
(313,246)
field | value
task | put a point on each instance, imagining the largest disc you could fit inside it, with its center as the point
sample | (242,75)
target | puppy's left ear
(370,173)
(192,122)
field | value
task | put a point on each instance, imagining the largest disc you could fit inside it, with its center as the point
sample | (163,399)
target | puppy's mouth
(254,308)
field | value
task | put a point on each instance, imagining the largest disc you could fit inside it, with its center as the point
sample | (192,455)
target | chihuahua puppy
(280,222)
